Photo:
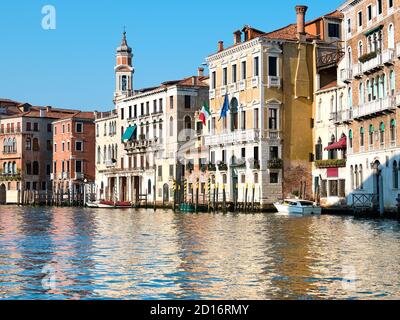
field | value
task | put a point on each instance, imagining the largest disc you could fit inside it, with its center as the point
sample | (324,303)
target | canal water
(67,253)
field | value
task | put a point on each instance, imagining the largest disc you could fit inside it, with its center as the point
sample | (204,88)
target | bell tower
(123,71)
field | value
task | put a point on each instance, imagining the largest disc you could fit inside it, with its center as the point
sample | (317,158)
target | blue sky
(72,66)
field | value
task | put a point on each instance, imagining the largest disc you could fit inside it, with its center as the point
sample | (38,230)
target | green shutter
(371,128)
(393,123)
(351,134)
(362,130)
(382,127)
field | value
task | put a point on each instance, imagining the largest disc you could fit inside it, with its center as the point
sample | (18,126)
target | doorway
(3,194)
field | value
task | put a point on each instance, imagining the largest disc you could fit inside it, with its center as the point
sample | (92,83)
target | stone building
(371,72)
(26,145)
(269,80)
(73,153)
(139,144)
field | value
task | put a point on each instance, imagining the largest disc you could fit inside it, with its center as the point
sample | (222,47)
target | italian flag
(204,113)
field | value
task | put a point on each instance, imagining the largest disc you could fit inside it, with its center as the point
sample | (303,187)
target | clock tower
(123,71)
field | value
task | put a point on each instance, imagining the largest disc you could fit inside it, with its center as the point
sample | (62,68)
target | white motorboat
(297,207)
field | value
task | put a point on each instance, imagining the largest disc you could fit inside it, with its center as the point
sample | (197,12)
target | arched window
(98,154)
(109,153)
(14,168)
(35,168)
(391,36)
(393,130)
(382,133)
(362,131)
(5,146)
(149,186)
(105,129)
(332,154)
(116,152)
(349,58)
(28,168)
(384,85)
(188,123)
(171,127)
(356,177)
(9,145)
(5,168)
(360,48)
(350,98)
(351,177)
(361,92)
(371,134)
(14,145)
(332,109)
(361,177)
(28,143)
(104,154)
(392,82)
(351,139)
(369,91)
(395,175)
(35,144)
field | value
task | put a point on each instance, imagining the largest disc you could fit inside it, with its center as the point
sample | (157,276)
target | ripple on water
(127,254)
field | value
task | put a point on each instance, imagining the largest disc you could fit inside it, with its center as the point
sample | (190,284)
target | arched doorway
(3,194)
(166,193)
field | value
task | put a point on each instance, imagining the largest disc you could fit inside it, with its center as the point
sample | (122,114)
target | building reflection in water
(142,254)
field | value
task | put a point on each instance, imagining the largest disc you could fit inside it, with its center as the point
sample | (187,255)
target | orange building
(26,148)
(73,152)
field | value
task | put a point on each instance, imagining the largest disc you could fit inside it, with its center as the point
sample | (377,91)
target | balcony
(211,167)
(141,144)
(222,166)
(373,108)
(255,81)
(79,176)
(275,164)
(373,64)
(242,85)
(255,164)
(347,115)
(111,163)
(212,94)
(357,70)
(388,56)
(233,87)
(274,135)
(65,175)
(223,90)
(234,137)
(274,82)
(331,163)
(346,75)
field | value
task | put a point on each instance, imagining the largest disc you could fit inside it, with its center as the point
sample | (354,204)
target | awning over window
(340,145)
(129,133)
(376,29)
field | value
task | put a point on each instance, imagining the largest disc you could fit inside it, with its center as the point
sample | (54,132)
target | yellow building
(265,141)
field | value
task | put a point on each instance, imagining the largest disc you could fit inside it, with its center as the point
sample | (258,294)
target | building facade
(73,153)
(265,140)
(26,144)
(139,144)
(371,69)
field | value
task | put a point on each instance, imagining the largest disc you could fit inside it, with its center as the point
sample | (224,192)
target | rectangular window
(48,127)
(360,20)
(333,188)
(135,111)
(380,7)
(171,102)
(213,80)
(273,153)
(49,145)
(256,119)
(273,119)
(349,26)
(36,127)
(155,106)
(130,112)
(369,12)
(171,170)
(212,157)
(147,108)
(234,73)
(390,4)
(243,121)
(224,76)
(142,109)
(273,178)
(79,127)
(160,171)
(243,153)
(28,126)
(273,66)
(256,66)
(244,76)
(78,166)
(224,156)
(122,114)
(333,30)
(160,105)
(256,153)
(187,102)
(78,146)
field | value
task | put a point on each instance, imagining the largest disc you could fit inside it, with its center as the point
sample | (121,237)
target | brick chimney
(237,37)
(301,20)
(200,72)
(220,46)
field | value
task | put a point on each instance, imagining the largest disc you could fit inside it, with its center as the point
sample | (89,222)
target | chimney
(200,72)
(220,46)
(237,37)
(301,18)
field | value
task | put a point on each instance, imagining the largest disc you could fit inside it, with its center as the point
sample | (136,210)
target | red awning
(340,145)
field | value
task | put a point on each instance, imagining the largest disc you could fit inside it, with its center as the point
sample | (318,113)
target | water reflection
(146,255)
